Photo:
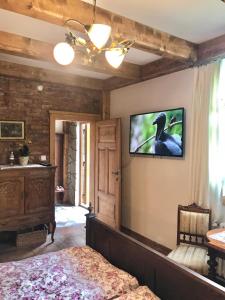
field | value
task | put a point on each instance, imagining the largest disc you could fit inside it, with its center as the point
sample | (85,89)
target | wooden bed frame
(165,278)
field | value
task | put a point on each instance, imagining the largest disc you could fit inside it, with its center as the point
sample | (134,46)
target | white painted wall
(152,188)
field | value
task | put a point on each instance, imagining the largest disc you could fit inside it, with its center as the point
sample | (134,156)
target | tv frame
(158,155)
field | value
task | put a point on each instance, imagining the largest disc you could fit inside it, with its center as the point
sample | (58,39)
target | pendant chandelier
(98,42)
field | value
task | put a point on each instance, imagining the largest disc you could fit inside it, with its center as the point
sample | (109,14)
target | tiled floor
(70,232)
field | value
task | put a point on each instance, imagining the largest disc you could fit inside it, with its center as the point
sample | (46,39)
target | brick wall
(20,100)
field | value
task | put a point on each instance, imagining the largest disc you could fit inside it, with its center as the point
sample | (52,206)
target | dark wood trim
(211,50)
(152,70)
(150,243)
(106,98)
(207,52)
(167,279)
(162,67)
(114,83)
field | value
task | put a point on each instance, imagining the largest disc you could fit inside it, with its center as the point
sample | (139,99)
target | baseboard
(156,246)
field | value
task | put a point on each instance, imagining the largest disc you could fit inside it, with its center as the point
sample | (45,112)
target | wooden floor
(64,237)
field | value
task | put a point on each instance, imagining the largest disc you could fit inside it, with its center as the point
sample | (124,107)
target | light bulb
(63,53)
(98,34)
(115,57)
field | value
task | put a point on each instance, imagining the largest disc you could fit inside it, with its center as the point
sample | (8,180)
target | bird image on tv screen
(157,133)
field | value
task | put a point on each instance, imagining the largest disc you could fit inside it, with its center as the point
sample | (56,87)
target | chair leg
(212,265)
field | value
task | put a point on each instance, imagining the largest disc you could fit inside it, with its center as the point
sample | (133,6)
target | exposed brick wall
(20,100)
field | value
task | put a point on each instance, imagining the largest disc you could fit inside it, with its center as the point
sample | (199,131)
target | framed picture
(11,130)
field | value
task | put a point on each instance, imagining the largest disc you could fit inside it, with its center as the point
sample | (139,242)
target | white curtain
(207,145)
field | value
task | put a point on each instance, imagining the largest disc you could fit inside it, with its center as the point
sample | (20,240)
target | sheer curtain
(207,143)
(217,148)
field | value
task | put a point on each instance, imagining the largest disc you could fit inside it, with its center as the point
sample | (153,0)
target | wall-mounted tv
(158,133)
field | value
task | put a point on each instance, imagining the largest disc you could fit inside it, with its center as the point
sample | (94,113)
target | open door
(108,172)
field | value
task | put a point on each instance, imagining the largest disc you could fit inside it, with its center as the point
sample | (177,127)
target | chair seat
(192,257)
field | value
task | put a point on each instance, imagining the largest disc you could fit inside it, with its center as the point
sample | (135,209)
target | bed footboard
(164,277)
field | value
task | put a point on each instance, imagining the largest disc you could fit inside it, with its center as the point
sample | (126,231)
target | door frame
(80,167)
(76,117)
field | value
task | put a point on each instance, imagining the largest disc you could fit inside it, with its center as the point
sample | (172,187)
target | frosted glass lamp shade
(115,57)
(99,34)
(63,53)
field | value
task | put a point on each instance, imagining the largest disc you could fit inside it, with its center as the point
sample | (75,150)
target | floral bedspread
(69,274)
(141,293)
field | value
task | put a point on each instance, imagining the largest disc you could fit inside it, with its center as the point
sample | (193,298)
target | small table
(215,249)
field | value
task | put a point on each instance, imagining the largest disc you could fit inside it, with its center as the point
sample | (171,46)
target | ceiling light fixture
(99,36)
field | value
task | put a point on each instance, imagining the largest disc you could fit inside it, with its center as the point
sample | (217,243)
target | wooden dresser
(27,197)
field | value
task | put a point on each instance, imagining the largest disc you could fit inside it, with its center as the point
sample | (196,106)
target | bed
(165,278)
(70,274)
(111,266)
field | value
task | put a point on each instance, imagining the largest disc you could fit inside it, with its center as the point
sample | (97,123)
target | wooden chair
(192,226)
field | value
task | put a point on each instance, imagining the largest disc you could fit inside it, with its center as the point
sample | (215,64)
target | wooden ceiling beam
(211,50)
(207,52)
(29,48)
(145,37)
(152,70)
(115,83)
(162,67)
(43,75)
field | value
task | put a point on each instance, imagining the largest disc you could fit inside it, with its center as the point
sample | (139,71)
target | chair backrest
(192,224)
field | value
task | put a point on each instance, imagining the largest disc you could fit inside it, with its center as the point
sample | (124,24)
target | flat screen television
(158,133)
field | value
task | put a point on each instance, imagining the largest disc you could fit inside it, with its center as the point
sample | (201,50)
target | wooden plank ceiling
(176,53)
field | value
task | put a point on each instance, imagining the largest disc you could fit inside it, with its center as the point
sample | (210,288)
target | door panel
(11,197)
(111,169)
(108,169)
(101,170)
(38,193)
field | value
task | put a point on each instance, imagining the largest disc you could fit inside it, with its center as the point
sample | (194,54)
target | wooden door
(11,197)
(108,172)
(38,192)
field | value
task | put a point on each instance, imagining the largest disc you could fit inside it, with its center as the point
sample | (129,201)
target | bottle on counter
(11,158)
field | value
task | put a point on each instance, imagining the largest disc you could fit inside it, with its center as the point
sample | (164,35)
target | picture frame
(12,130)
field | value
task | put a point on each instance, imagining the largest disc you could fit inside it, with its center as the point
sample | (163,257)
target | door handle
(116,173)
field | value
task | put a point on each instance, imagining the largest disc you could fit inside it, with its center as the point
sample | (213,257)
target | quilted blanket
(141,293)
(69,274)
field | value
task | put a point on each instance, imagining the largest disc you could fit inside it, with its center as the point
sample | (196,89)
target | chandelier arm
(120,45)
(75,21)
(126,43)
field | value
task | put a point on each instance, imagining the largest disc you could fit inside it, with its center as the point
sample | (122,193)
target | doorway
(103,183)
(72,158)
(72,142)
